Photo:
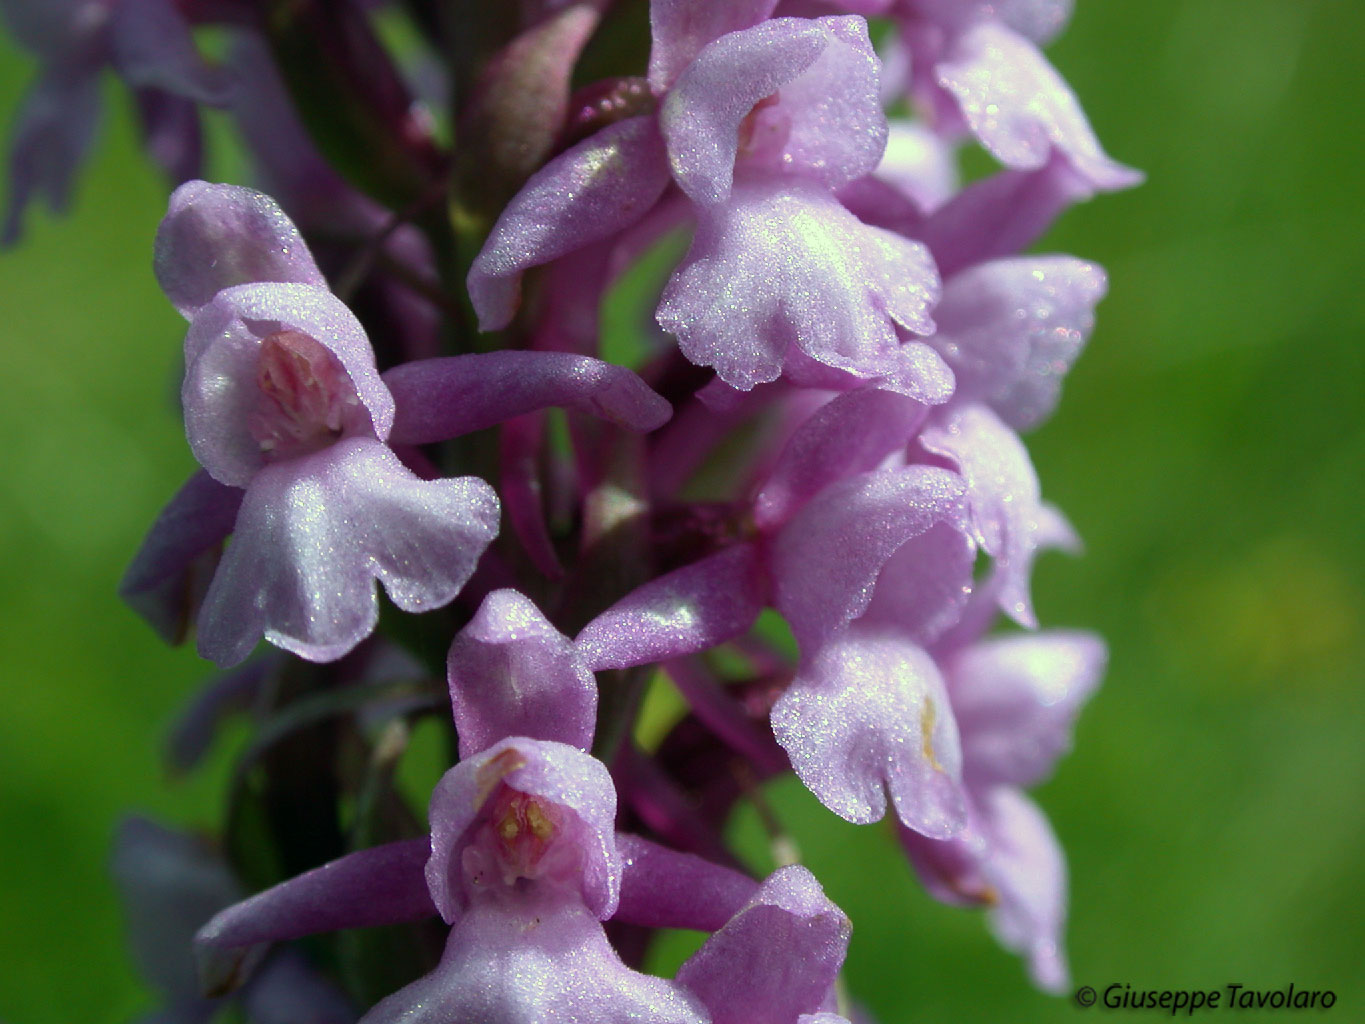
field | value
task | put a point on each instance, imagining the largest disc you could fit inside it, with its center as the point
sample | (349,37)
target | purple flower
(776,960)
(524,865)
(868,571)
(759,122)
(744,300)
(896,696)
(867,334)
(282,398)
(1011,328)
(868,717)
(868,568)
(1015,698)
(870,586)
(283,401)
(976,68)
(1019,108)
(524,861)
(149,44)
(872,565)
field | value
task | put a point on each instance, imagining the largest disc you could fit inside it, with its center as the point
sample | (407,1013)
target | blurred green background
(1209,447)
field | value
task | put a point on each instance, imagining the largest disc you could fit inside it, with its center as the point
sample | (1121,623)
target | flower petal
(1003,493)
(686,611)
(920,164)
(852,434)
(681,28)
(602,185)
(776,959)
(222,352)
(521,444)
(200,719)
(51,138)
(1001,215)
(153,47)
(543,957)
(1011,328)
(830,115)
(1019,107)
(380,885)
(701,116)
(923,587)
(982,609)
(438,399)
(52,28)
(824,120)
(869,715)
(554,772)
(158,585)
(1016,699)
(376,886)
(283,157)
(1008,859)
(1029,872)
(169,884)
(513,674)
(313,535)
(784,265)
(171,133)
(663,888)
(217,236)
(826,560)
(952,870)
(287,990)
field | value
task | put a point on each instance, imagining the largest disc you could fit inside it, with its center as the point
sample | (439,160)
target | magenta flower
(1019,108)
(776,960)
(1015,699)
(867,567)
(872,566)
(283,400)
(860,342)
(759,122)
(524,862)
(975,67)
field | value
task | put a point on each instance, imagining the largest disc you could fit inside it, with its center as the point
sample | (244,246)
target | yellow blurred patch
(1285,612)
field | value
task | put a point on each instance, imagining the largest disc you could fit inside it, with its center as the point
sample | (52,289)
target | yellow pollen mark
(538,822)
(979,893)
(928,714)
(509,828)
